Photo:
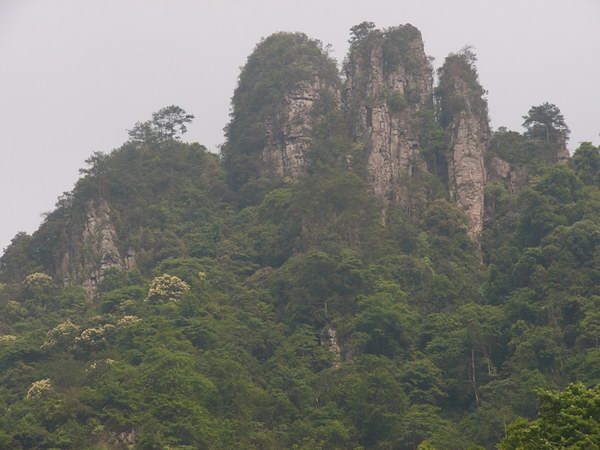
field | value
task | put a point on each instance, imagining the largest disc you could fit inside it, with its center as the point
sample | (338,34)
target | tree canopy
(547,123)
(566,419)
(169,123)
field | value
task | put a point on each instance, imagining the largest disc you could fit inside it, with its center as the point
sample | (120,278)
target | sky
(75,75)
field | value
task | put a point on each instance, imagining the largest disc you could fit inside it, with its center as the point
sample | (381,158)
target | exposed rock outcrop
(95,250)
(389,81)
(466,172)
(274,109)
(289,135)
(464,115)
(514,178)
(329,339)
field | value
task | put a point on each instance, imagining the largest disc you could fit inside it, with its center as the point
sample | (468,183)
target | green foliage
(278,65)
(541,144)
(330,142)
(370,395)
(397,50)
(386,324)
(510,146)
(587,163)
(433,145)
(335,207)
(459,89)
(423,380)
(396,102)
(16,262)
(360,31)
(167,123)
(291,315)
(568,419)
(545,122)
(396,44)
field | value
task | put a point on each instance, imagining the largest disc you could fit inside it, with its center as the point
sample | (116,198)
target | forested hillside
(366,266)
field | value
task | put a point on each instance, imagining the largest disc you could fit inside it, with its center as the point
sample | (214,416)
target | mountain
(366,265)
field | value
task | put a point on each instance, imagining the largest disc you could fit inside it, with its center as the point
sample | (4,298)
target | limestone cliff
(273,109)
(463,112)
(92,251)
(514,177)
(466,173)
(388,82)
(289,136)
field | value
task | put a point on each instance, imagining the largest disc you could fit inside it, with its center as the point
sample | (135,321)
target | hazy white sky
(75,74)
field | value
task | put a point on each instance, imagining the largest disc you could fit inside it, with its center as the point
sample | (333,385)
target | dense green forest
(245,312)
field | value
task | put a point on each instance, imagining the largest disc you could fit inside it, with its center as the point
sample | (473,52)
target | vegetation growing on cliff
(277,66)
(300,320)
(459,88)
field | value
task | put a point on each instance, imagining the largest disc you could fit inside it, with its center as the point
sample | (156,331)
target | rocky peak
(270,133)
(388,82)
(464,115)
(289,135)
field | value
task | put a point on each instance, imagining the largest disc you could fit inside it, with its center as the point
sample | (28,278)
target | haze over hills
(366,265)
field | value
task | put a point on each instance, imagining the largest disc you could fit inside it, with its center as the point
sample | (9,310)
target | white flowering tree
(62,335)
(40,388)
(95,338)
(166,288)
(38,286)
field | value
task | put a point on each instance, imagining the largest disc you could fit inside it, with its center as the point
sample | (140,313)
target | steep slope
(388,83)
(463,112)
(89,255)
(109,222)
(273,108)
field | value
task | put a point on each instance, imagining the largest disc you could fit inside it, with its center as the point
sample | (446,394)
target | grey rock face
(329,340)
(469,136)
(464,115)
(95,251)
(382,102)
(288,85)
(513,177)
(289,137)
